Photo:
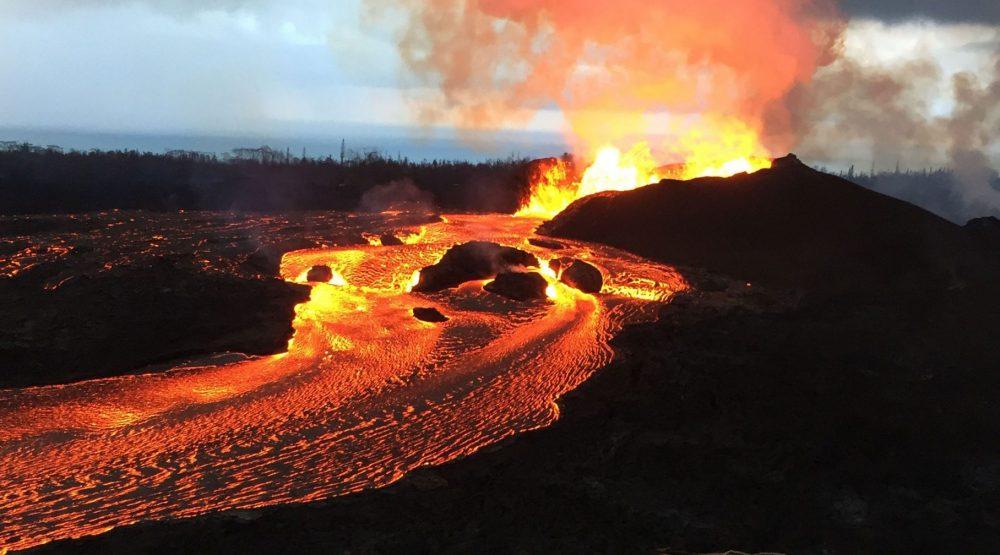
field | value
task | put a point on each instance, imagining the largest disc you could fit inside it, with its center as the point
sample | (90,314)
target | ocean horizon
(396,142)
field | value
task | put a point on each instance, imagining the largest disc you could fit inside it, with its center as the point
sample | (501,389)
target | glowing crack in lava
(721,148)
(365,393)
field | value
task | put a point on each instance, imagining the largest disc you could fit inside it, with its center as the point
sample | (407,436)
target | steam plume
(397,195)
(609,65)
(973,128)
(886,107)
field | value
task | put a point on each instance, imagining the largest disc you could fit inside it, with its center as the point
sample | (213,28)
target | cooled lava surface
(365,393)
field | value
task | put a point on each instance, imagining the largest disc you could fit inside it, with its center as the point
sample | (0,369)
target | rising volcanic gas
(639,83)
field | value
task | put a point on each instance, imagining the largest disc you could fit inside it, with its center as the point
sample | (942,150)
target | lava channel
(365,393)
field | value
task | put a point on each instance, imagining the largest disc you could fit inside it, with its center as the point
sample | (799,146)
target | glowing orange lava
(721,147)
(614,171)
(365,393)
(717,147)
(551,190)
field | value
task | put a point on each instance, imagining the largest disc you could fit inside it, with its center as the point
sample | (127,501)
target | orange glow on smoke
(706,85)
(618,72)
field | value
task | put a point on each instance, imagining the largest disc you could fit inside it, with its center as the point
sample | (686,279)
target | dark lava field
(790,399)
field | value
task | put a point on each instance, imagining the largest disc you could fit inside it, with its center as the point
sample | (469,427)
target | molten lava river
(364,394)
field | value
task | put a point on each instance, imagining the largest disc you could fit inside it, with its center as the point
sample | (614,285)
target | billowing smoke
(401,194)
(758,77)
(972,129)
(612,68)
(883,107)
(882,114)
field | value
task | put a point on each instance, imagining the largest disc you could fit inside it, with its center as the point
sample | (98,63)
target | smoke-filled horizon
(912,83)
(717,79)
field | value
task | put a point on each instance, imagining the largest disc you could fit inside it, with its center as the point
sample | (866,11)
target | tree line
(48,179)
(938,190)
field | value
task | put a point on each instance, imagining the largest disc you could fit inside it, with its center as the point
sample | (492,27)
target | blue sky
(297,67)
(129,66)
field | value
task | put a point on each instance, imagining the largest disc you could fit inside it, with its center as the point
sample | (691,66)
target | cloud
(605,65)
(909,94)
(179,8)
(264,70)
(953,11)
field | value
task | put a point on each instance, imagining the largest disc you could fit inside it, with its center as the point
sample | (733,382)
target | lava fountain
(722,151)
(704,87)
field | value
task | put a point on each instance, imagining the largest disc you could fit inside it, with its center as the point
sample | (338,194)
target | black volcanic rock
(319,274)
(266,259)
(789,226)
(29,225)
(738,420)
(429,314)
(138,315)
(390,240)
(986,231)
(583,276)
(520,286)
(471,261)
(557,264)
(788,161)
(546,243)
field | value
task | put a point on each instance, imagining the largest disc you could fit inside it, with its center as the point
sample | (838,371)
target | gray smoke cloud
(850,104)
(972,129)
(401,194)
(951,11)
(881,114)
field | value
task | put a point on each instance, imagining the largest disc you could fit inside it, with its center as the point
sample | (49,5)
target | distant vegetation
(37,179)
(938,190)
(47,179)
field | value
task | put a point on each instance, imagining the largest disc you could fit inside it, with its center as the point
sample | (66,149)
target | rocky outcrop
(789,226)
(986,231)
(319,274)
(471,261)
(520,286)
(390,240)
(546,243)
(583,276)
(429,314)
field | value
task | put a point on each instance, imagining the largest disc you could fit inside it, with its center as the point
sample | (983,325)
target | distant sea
(415,144)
